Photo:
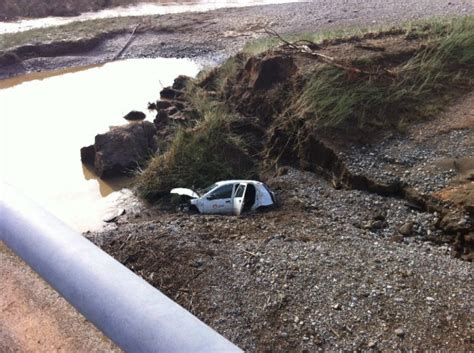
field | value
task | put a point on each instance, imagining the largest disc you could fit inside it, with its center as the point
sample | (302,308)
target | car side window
(224,192)
(240,190)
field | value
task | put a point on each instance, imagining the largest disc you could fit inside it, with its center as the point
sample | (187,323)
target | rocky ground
(211,36)
(331,268)
(337,266)
(316,274)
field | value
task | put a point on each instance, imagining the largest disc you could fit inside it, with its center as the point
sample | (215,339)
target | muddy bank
(215,34)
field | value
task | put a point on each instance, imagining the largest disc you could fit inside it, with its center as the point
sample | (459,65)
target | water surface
(45,118)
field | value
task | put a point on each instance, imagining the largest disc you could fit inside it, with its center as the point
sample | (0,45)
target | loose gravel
(318,274)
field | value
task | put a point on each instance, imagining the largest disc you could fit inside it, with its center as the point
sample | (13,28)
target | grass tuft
(331,97)
(197,157)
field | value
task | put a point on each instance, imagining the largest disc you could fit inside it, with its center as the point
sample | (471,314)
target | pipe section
(135,315)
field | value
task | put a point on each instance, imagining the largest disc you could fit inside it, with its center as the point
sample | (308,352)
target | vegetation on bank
(360,95)
(198,156)
(417,88)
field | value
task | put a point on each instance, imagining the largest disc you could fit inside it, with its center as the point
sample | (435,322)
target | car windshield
(206,190)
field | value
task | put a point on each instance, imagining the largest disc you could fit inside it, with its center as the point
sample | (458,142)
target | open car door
(238,199)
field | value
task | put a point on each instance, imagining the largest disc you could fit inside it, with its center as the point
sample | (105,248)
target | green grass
(323,96)
(442,70)
(197,157)
(433,26)
(260,45)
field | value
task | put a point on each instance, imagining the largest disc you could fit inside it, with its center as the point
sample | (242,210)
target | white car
(230,197)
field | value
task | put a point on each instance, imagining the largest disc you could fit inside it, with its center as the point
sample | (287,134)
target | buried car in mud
(229,197)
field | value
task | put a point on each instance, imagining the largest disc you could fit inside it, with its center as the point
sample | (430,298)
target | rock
(378,224)
(163,104)
(180,82)
(406,229)
(121,150)
(170,93)
(135,115)
(396,238)
(88,155)
(455,222)
(400,332)
(469,238)
(161,119)
(115,217)
(372,344)
(468,257)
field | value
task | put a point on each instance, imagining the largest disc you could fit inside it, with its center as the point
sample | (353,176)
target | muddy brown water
(158,7)
(46,118)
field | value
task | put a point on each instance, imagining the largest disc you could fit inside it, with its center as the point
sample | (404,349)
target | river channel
(45,118)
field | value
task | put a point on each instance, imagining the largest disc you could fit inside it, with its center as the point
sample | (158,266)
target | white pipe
(135,315)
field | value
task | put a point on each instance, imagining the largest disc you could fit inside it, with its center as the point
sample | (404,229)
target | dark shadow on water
(14,81)
(109,186)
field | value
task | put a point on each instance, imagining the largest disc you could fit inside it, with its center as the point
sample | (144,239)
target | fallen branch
(250,253)
(127,44)
(309,49)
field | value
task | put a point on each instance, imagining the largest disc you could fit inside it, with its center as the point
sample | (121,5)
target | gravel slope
(332,268)
(306,277)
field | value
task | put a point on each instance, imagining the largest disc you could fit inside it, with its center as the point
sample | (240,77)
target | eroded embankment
(317,106)
(343,263)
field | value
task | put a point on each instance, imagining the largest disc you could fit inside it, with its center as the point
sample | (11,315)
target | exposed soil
(34,318)
(214,35)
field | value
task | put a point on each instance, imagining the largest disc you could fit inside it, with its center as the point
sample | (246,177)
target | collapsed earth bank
(374,175)
(347,109)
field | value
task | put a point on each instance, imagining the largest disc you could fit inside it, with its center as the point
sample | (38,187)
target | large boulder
(121,150)
(135,115)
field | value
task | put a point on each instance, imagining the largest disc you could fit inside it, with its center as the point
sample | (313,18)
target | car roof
(236,181)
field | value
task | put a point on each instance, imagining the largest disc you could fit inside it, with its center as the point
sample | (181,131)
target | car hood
(185,192)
